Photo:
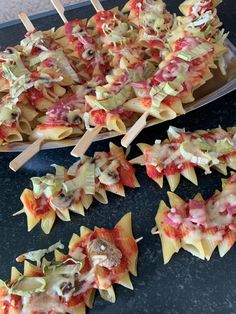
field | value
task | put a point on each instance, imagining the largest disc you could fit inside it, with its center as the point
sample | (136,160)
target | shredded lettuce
(72,171)
(85,179)
(224,146)
(115,100)
(28,286)
(62,62)
(196,52)
(60,172)
(32,40)
(36,256)
(174,132)
(203,19)
(47,185)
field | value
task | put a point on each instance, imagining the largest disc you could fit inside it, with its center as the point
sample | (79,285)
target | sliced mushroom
(77,30)
(88,54)
(66,287)
(73,117)
(9,114)
(104,253)
(10,50)
(62,201)
(110,175)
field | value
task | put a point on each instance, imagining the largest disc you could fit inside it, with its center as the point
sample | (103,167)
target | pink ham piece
(197,212)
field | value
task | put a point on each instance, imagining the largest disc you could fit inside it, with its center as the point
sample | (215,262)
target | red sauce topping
(40,207)
(146,102)
(34,96)
(69,29)
(136,6)
(204,7)
(127,174)
(152,172)
(99,116)
(3,132)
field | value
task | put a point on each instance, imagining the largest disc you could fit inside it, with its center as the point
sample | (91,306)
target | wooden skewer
(27,154)
(26,22)
(85,141)
(97,5)
(34,148)
(90,134)
(60,9)
(135,130)
(142,121)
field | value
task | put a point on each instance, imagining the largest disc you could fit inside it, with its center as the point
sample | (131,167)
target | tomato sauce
(136,6)
(69,29)
(3,132)
(99,116)
(127,174)
(101,18)
(14,304)
(34,95)
(204,7)
(40,206)
(126,245)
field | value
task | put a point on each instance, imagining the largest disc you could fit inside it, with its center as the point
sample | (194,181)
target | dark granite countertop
(186,284)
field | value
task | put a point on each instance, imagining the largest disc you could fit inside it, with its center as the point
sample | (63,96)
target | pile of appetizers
(109,70)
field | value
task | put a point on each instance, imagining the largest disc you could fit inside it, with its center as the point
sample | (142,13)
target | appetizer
(67,284)
(74,189)
(183,151)
(198,226)
(108,71)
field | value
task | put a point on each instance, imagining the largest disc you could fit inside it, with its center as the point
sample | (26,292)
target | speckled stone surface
(186,284)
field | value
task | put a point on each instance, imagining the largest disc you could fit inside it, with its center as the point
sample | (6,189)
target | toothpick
(97,5)
(60,9)
(26,22)
(135,130)
(85,141)
(19,212)
(27,154)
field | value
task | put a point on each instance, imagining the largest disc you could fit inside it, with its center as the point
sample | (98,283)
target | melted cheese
(218,212)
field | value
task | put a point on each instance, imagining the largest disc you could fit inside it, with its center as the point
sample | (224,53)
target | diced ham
(197,212)
(174,220)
